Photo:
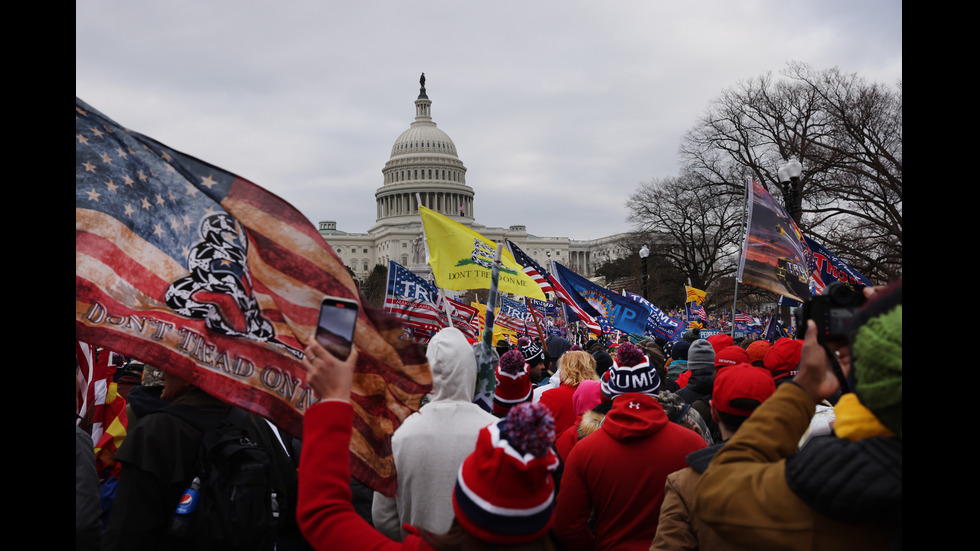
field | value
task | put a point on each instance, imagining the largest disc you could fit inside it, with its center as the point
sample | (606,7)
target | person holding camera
(840,491)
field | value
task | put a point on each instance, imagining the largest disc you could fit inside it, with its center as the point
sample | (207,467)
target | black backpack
(238,507)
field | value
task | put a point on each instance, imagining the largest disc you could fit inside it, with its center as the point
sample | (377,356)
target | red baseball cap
(731,355)
(784,355)
(720,341)
(739,389)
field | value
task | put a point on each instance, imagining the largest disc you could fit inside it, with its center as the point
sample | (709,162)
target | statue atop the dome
(422,91)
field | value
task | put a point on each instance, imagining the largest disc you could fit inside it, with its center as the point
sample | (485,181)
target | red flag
(190,268)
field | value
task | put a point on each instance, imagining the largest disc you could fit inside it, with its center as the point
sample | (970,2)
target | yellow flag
(694,295)
(498,331)
(461,259)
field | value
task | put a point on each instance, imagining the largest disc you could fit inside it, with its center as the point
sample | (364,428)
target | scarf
(855,422)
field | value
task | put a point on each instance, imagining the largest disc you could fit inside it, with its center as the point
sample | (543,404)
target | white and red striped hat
(504,492)
(513,382)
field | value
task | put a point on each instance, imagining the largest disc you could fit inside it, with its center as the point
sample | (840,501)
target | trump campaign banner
(618,311)
(513,315)
(414,301)
(659,324)
(421,306)
(199,272)
(827,268)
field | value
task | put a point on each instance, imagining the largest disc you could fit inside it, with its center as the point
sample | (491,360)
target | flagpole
(387,291)
(564,314)
(534,316)
(445,306)
(732,332)
(486,361)
(687,309)
(745,206)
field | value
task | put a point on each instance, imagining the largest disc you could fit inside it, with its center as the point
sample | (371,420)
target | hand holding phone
(335,328)
(329,377)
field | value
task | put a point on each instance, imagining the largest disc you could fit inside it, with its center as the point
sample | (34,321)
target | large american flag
(199,272)
(549,284)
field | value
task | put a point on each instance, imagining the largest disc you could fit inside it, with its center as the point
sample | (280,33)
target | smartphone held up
(335,328)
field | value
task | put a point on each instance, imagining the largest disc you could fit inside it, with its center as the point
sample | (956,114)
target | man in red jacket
(620,470)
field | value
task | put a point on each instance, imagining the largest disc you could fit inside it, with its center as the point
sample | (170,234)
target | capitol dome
(424,168)
(424,164)
(423,138)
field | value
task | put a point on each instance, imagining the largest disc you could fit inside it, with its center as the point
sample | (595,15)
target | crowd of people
(712,443)
(722,320)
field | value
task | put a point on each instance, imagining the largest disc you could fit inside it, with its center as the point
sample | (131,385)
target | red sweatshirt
(559,401)
(620,471)
(324,511)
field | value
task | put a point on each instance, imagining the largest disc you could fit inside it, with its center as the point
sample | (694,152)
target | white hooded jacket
(432,443)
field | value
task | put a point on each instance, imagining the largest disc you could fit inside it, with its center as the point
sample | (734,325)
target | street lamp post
(547,296)
(644,253)
(789,179)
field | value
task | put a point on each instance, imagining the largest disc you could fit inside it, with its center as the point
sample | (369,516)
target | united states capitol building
(424,166)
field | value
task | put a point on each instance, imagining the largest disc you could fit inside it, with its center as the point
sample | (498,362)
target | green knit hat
(877,363)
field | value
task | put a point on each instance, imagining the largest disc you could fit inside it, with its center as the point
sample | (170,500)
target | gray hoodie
(431,444)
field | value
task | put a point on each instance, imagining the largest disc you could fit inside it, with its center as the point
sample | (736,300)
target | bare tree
(846,132)
(665,283)
(694,226)
(376,285)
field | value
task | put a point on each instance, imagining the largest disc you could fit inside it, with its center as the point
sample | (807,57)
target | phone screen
(335,330)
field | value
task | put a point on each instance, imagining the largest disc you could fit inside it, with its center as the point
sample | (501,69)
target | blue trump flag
(827,267)
(659,324)
(620,312)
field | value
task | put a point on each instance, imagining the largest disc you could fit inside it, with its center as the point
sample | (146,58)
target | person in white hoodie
(431,444)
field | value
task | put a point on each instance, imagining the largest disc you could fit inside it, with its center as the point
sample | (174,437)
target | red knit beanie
(757,351)
(513,382)
(504,492)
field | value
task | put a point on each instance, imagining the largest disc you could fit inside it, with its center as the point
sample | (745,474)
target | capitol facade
(424,166)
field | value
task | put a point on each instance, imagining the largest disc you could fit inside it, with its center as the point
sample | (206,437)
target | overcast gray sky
(558,109)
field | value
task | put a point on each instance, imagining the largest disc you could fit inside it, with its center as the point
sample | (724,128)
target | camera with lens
(833,312)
